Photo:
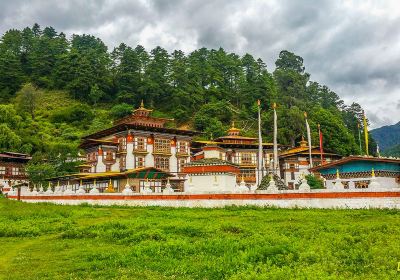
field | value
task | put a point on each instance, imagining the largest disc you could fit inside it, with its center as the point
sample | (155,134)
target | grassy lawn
(43,241)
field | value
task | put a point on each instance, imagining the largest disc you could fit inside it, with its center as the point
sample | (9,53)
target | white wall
(173,161)
(353,203)
(149,159)
(130,158)
(211,153)
(100,167)
(211,183)
(386,182)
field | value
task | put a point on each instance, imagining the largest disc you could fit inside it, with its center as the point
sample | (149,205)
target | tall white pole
(276,164)
(260,151)
(309,140)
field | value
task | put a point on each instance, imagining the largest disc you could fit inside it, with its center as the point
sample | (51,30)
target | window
(122,144)
(108,167)
(2,170)
(181,163)
(292,177)
(161,163)
(14,171)
(109,155)
(92,157)
(139,162)
(162,146)
(122,162)
(248,175)
(140,143)
(247,158)
(182,147)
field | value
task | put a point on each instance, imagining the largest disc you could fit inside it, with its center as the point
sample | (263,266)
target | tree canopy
(88,85)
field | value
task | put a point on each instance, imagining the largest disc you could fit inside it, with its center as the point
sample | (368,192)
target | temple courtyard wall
(357,199)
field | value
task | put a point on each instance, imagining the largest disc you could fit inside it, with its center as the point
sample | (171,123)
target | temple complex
(12,169)
(138,151)
(237,149)
(295,162)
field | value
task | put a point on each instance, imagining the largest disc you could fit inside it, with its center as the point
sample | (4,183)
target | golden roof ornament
(110,188)
(233,130)
(303,143)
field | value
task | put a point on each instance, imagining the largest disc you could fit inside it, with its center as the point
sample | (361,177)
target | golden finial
(373,173)
(141,104)
(233,124)
(337,174)
(110,188)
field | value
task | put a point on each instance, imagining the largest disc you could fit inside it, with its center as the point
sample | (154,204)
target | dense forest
(55,89)
(388,138)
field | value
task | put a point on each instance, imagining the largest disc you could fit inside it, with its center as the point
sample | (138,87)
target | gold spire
(373,173)
(110,188)
(337,174)
(303,143)
(141,104)
(233,131)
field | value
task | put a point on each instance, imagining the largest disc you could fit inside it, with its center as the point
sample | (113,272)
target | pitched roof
(304,150)
(126,126)
(354,158)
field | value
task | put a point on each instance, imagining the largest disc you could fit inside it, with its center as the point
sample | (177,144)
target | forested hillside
(388,137)
(55,89)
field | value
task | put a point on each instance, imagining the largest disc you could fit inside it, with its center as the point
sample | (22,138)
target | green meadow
(44,241)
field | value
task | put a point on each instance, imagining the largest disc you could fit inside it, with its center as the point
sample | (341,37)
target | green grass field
(44,241)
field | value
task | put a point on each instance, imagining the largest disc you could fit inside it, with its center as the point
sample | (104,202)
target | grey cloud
(351,46)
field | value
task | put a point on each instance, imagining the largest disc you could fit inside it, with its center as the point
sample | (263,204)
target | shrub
(121,110)
(80,113)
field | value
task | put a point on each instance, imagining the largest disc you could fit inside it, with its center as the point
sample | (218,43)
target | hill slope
(53,90)
(387,136)
(392,151)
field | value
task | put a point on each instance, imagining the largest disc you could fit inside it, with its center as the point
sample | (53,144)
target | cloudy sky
(351,46)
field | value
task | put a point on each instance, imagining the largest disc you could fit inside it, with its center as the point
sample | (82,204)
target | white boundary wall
(284,199)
